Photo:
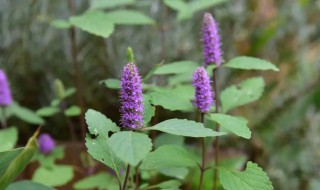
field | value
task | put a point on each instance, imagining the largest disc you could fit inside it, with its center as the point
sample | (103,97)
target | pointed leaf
(72,111)
(47,111)
(101,180)
(243,93)
(248,63)
(94,22)
(168,156)
(148,109)
(128,17)
(27,185)
(25,114)
(184,127)
(235,125)
(251,179)
(60,24)
(8,138)
(112,83)
(100,4)
(177,68)
(55,176)
(98,146)
(130,147)
(10,169)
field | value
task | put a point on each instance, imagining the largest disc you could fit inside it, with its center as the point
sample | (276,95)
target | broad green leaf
(184,91)
(168,156)
(61,24)
(13,164)
(177,5)
(47,111)
(55,176)
(128,17)
(171,101)
(69,91)
(248,63)
(55,102)
(101,180)
(251,179)
(198,5)
(148,109)
(166,138)
(177,68)
(48,161)
(94,22)
(184,127)
(8,138)
(243,93)
(171,184)
(179,173)
(27,185)
(100,4)
(112,83)
(130,147)
(25,114)
(72,111)
(99,147)
(238,126)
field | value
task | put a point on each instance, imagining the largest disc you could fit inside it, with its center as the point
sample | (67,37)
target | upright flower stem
(203,149)
(4,121)
(76,66)
(137,176)
(216,141)
(126,178)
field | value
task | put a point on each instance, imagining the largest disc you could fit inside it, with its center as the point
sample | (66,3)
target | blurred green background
(285,121)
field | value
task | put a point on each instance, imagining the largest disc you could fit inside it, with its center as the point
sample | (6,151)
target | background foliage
(285,121)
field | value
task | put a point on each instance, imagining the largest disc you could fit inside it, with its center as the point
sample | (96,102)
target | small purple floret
(203,92)
(46,143)
(5,93)
(211,41)
(131,97)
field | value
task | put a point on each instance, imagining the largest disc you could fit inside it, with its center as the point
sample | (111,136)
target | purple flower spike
(131,97)
(46,143)
(5,93)
(211,41)
(203,92)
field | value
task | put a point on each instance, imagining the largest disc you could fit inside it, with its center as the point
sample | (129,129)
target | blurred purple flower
(211,41)
(46,143)
(203,92)
(131,97)
(5,93)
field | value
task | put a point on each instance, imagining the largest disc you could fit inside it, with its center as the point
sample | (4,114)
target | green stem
(4,120)
(203,163)
(216,142)
(126,178)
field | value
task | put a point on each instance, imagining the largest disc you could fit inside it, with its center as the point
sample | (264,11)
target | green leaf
(8,138)
(101,4)
(128,17)
(130,147)
(248,63)
(164,139)
(99,147)
(177,68)
(60,24)
(48,161)
(27,185)
(243,93)
(199,5)
(179,173)
(94,22)
(55,176)
(148,109)
(168,156)
(170,184)
(97,181)
(184,127)
(13,162)
(47,111)
(177,5)
(238,126)
(112,83)
(72,111)
(25,114)
(251,179)
(69,91)
(171,101)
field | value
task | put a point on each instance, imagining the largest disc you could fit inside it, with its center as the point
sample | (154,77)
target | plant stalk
(4,120)
(126,178)
(137,176)
(216,141)
(76,66)
(203,148)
